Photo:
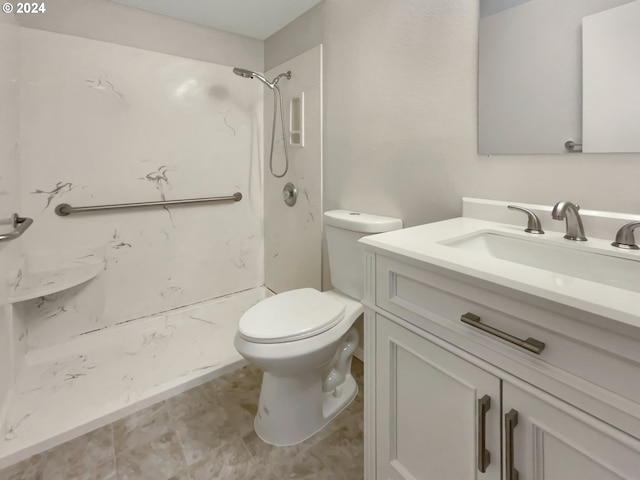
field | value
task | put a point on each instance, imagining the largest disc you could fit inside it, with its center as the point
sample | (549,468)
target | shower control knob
(290,194)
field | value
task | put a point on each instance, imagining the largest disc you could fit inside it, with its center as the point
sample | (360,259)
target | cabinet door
(555,441)
(427,411)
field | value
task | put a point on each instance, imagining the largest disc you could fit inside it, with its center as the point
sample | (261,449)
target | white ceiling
(254,18)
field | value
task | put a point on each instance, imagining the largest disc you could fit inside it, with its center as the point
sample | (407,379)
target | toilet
(304,339)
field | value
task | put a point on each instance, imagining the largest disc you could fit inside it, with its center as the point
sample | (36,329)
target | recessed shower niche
(296,120)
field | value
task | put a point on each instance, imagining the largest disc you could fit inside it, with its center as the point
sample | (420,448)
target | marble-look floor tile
(181,476)
(161,459)
(102,471)
(342,452)
(90,457)
(197,401)
(230,461)
(30,469)
(238,394)
(266,453)
(141,428)
(314,456)
(301,466)
(205,433)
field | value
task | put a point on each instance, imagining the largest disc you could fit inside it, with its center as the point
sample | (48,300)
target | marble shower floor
(71,388)
(205,433)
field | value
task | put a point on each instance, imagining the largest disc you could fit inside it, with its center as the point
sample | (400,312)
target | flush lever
(533,224)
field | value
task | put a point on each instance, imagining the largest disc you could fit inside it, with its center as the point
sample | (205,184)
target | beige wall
(400,118)
(115,23)
(304,33)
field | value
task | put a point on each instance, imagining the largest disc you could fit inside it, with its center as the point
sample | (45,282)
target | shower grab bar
(65,209)
(20,225)
(571,146)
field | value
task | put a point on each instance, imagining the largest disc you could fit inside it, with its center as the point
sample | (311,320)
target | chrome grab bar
(65,209)
(20,225)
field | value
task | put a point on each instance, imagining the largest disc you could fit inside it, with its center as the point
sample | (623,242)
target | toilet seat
(291,316)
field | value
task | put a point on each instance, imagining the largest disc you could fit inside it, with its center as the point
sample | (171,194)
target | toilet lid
(290,316)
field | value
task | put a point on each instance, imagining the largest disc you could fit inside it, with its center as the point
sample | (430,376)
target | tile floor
(204,434)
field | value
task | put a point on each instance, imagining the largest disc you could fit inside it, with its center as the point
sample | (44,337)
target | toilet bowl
(304,340)
(307,381)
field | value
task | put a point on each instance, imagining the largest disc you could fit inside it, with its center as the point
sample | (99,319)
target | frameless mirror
(559,76)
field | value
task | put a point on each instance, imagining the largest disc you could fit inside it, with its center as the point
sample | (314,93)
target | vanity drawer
(425,297)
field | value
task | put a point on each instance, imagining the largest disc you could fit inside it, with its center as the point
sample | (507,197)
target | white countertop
(421,245)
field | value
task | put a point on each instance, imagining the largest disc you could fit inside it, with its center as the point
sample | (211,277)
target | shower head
(243,73)
(277,96)
(249,74)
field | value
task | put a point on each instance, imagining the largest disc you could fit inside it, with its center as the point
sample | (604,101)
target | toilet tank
(346,260)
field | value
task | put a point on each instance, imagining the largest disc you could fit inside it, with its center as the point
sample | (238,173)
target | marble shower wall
(293,235)
(9,198)
(103,123)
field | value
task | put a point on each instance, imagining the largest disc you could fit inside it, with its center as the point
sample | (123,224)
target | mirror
(559,76)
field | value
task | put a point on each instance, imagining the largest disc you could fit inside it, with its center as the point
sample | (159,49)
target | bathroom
(390,128)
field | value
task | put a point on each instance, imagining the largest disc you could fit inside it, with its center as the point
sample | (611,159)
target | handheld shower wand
(277,99)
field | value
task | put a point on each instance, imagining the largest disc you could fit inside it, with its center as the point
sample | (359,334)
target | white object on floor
(69,389)
(304,340)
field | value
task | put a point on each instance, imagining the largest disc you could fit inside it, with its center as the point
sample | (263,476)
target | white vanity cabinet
(552,440)
(427,416)
(440,393)
(432,422)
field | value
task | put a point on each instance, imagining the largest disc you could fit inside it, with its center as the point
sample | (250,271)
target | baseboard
(359,354)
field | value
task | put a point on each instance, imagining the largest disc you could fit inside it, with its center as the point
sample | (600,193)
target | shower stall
(156,224)
(142,173)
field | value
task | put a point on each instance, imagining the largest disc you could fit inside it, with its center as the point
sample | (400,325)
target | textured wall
(530,100)
(9,196)
(103,123)
(293,235)
(400,119)
(115,23)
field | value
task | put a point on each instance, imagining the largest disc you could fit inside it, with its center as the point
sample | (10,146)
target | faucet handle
(533,224)
(625,237)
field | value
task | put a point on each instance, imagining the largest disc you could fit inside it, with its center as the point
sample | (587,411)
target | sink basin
(587,264)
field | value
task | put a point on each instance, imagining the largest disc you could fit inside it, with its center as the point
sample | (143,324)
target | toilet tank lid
(361,222)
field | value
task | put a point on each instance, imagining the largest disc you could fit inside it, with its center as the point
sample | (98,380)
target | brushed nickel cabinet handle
(530,344)
(510,423)
(484,456)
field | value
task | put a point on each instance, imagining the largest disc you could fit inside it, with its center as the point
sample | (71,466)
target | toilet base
(292,409)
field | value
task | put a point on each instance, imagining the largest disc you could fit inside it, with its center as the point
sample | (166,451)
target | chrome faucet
(569,212)
(625,237)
